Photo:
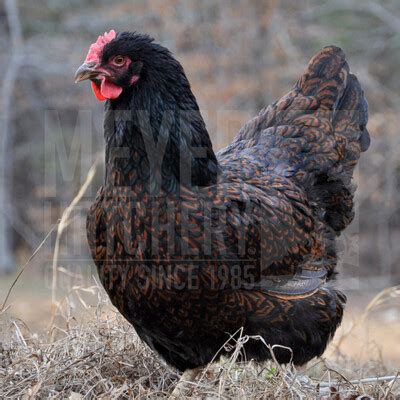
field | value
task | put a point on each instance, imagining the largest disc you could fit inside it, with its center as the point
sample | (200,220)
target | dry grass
(102,357)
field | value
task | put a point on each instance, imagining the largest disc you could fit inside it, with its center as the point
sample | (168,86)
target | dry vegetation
(103,358)
(239,56)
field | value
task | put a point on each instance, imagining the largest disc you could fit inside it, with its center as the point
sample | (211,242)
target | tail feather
(316,134)
(325,77)
(350,121)
(340,94)
(340,113)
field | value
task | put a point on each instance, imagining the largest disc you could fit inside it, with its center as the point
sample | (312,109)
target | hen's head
(117,61)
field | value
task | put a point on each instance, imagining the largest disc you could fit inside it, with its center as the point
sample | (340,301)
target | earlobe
(135,71)
(134,79)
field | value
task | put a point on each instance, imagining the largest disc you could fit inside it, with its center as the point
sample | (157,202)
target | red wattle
(97,93)
(106,90)
(110,90)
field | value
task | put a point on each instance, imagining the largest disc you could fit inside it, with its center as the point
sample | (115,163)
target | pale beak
(87,71)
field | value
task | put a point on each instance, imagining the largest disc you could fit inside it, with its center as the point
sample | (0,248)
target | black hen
(192,246)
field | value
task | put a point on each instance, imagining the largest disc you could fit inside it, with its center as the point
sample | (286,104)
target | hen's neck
(158,141)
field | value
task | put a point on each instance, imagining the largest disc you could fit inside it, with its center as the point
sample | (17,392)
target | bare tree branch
(370,7)
(7,91)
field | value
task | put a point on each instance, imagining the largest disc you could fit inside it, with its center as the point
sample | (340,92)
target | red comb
(96,48)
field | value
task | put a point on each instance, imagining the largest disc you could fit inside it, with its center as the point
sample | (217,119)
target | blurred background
(239,56)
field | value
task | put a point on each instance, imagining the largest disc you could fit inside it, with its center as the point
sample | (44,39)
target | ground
(84,348)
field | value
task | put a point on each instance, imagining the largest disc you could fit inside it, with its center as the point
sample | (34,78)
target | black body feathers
(191,246)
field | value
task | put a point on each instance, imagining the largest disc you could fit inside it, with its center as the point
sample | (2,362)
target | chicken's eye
(119,61)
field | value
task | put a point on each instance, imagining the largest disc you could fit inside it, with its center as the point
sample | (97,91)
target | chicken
(195,248)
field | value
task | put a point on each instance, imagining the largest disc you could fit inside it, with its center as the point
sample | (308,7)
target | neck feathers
(157,139)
